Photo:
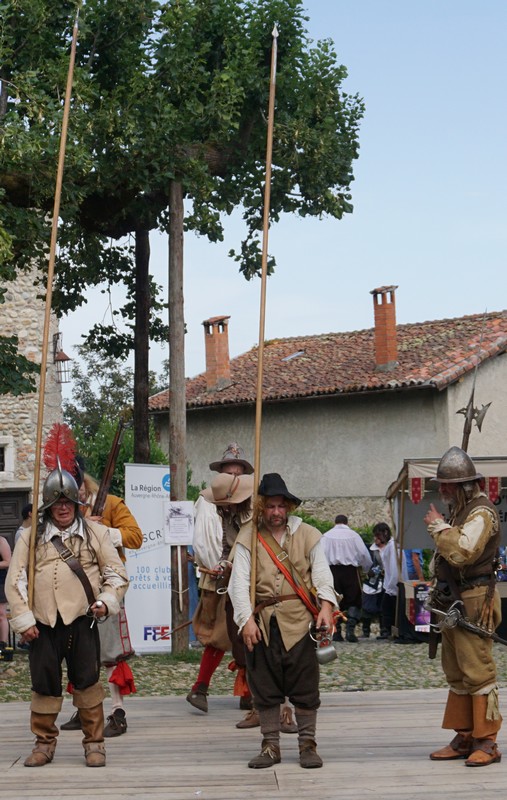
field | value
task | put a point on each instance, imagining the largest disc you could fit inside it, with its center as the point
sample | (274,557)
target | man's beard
(448,499)
(278,522)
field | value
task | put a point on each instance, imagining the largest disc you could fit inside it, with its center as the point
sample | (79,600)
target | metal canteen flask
(325,649)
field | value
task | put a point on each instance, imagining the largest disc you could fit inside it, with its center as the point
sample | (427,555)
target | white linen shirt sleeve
(239,585)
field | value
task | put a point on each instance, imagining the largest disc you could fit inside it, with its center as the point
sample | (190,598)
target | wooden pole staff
(49,297)
(262,318)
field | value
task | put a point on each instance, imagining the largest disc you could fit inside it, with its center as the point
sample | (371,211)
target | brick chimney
(218,366)
(386,348)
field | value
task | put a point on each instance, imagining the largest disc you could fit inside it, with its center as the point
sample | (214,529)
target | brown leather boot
(308,756)
(92,723)
(250,720)
(484,752)
(460,747)
(43,725)
(269,755)
(287,721)
(306,719)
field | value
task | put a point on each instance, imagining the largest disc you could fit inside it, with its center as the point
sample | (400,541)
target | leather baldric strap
(281,558)
(75,565)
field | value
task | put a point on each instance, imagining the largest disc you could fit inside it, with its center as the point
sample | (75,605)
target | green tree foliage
(16,371)
(163,91)
(101,392)
(95,451)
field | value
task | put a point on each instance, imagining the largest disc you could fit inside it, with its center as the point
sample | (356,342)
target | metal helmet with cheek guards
(59,483)
(456,466)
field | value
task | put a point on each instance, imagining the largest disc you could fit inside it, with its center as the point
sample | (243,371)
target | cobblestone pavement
(369,665)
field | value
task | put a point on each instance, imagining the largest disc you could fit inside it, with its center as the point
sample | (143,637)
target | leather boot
(92,724)
(250,720)
(353,615)
(73,724)
(268,757)
(270,750)
(45,730)
(460,747)
(307,722)
(198,697)
(458,716)
(287,722)
(487,723)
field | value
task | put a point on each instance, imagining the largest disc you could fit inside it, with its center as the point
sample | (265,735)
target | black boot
(353,615)
(74,723)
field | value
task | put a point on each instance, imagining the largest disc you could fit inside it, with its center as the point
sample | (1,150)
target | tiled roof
(430,354)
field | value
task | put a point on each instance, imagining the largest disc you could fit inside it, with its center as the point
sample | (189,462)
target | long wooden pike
(262,316)
(49,298)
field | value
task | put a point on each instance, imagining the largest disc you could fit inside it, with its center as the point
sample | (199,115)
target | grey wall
(333,447)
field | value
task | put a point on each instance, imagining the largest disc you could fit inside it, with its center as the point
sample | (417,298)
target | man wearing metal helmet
(79,579)
(281,657)
(466,550)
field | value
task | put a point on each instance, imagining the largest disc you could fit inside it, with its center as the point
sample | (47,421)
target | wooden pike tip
(274,32)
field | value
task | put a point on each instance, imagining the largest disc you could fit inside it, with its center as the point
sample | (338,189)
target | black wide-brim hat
(273,485)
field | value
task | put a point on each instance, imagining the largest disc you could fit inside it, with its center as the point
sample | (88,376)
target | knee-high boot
(458,716)
(306,719)
(45,730)
(487,723)
(92,724)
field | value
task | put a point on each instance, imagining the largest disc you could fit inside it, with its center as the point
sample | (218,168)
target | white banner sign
(148,600)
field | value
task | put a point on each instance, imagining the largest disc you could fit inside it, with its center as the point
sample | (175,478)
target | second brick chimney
(386,348)
(218,365)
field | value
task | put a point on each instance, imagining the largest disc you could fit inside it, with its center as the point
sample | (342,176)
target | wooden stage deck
(374,744)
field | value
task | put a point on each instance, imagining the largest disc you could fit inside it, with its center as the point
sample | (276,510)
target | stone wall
(361,511)
(23,314)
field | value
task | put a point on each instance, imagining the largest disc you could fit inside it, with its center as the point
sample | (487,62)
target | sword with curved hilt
(454,617)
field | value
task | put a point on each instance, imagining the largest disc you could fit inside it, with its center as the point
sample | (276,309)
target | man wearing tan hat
(216,526)
(465,561)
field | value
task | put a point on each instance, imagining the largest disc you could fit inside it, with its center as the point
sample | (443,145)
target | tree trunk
(142,349)
(177,406)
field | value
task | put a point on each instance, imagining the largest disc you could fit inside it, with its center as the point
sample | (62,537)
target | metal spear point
(469,411)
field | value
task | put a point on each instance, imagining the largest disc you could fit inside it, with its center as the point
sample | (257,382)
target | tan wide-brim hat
(228,489)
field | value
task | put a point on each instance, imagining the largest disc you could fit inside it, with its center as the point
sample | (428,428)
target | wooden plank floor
(374,744)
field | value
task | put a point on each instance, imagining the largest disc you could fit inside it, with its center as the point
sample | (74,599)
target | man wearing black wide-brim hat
(465,561)
(281,656)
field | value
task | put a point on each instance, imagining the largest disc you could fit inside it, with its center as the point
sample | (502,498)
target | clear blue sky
(429,195)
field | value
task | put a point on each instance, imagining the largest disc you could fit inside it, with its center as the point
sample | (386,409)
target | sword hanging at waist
(454,617)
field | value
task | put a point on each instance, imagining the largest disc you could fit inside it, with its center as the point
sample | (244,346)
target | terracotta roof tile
(430,354)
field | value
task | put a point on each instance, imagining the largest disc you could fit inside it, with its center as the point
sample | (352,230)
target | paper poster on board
(148,599)
(179,522)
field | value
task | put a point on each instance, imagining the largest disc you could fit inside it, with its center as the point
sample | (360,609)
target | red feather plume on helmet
(60,445)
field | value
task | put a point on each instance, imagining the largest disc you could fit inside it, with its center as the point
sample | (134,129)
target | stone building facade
(23,314)
(341,411)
